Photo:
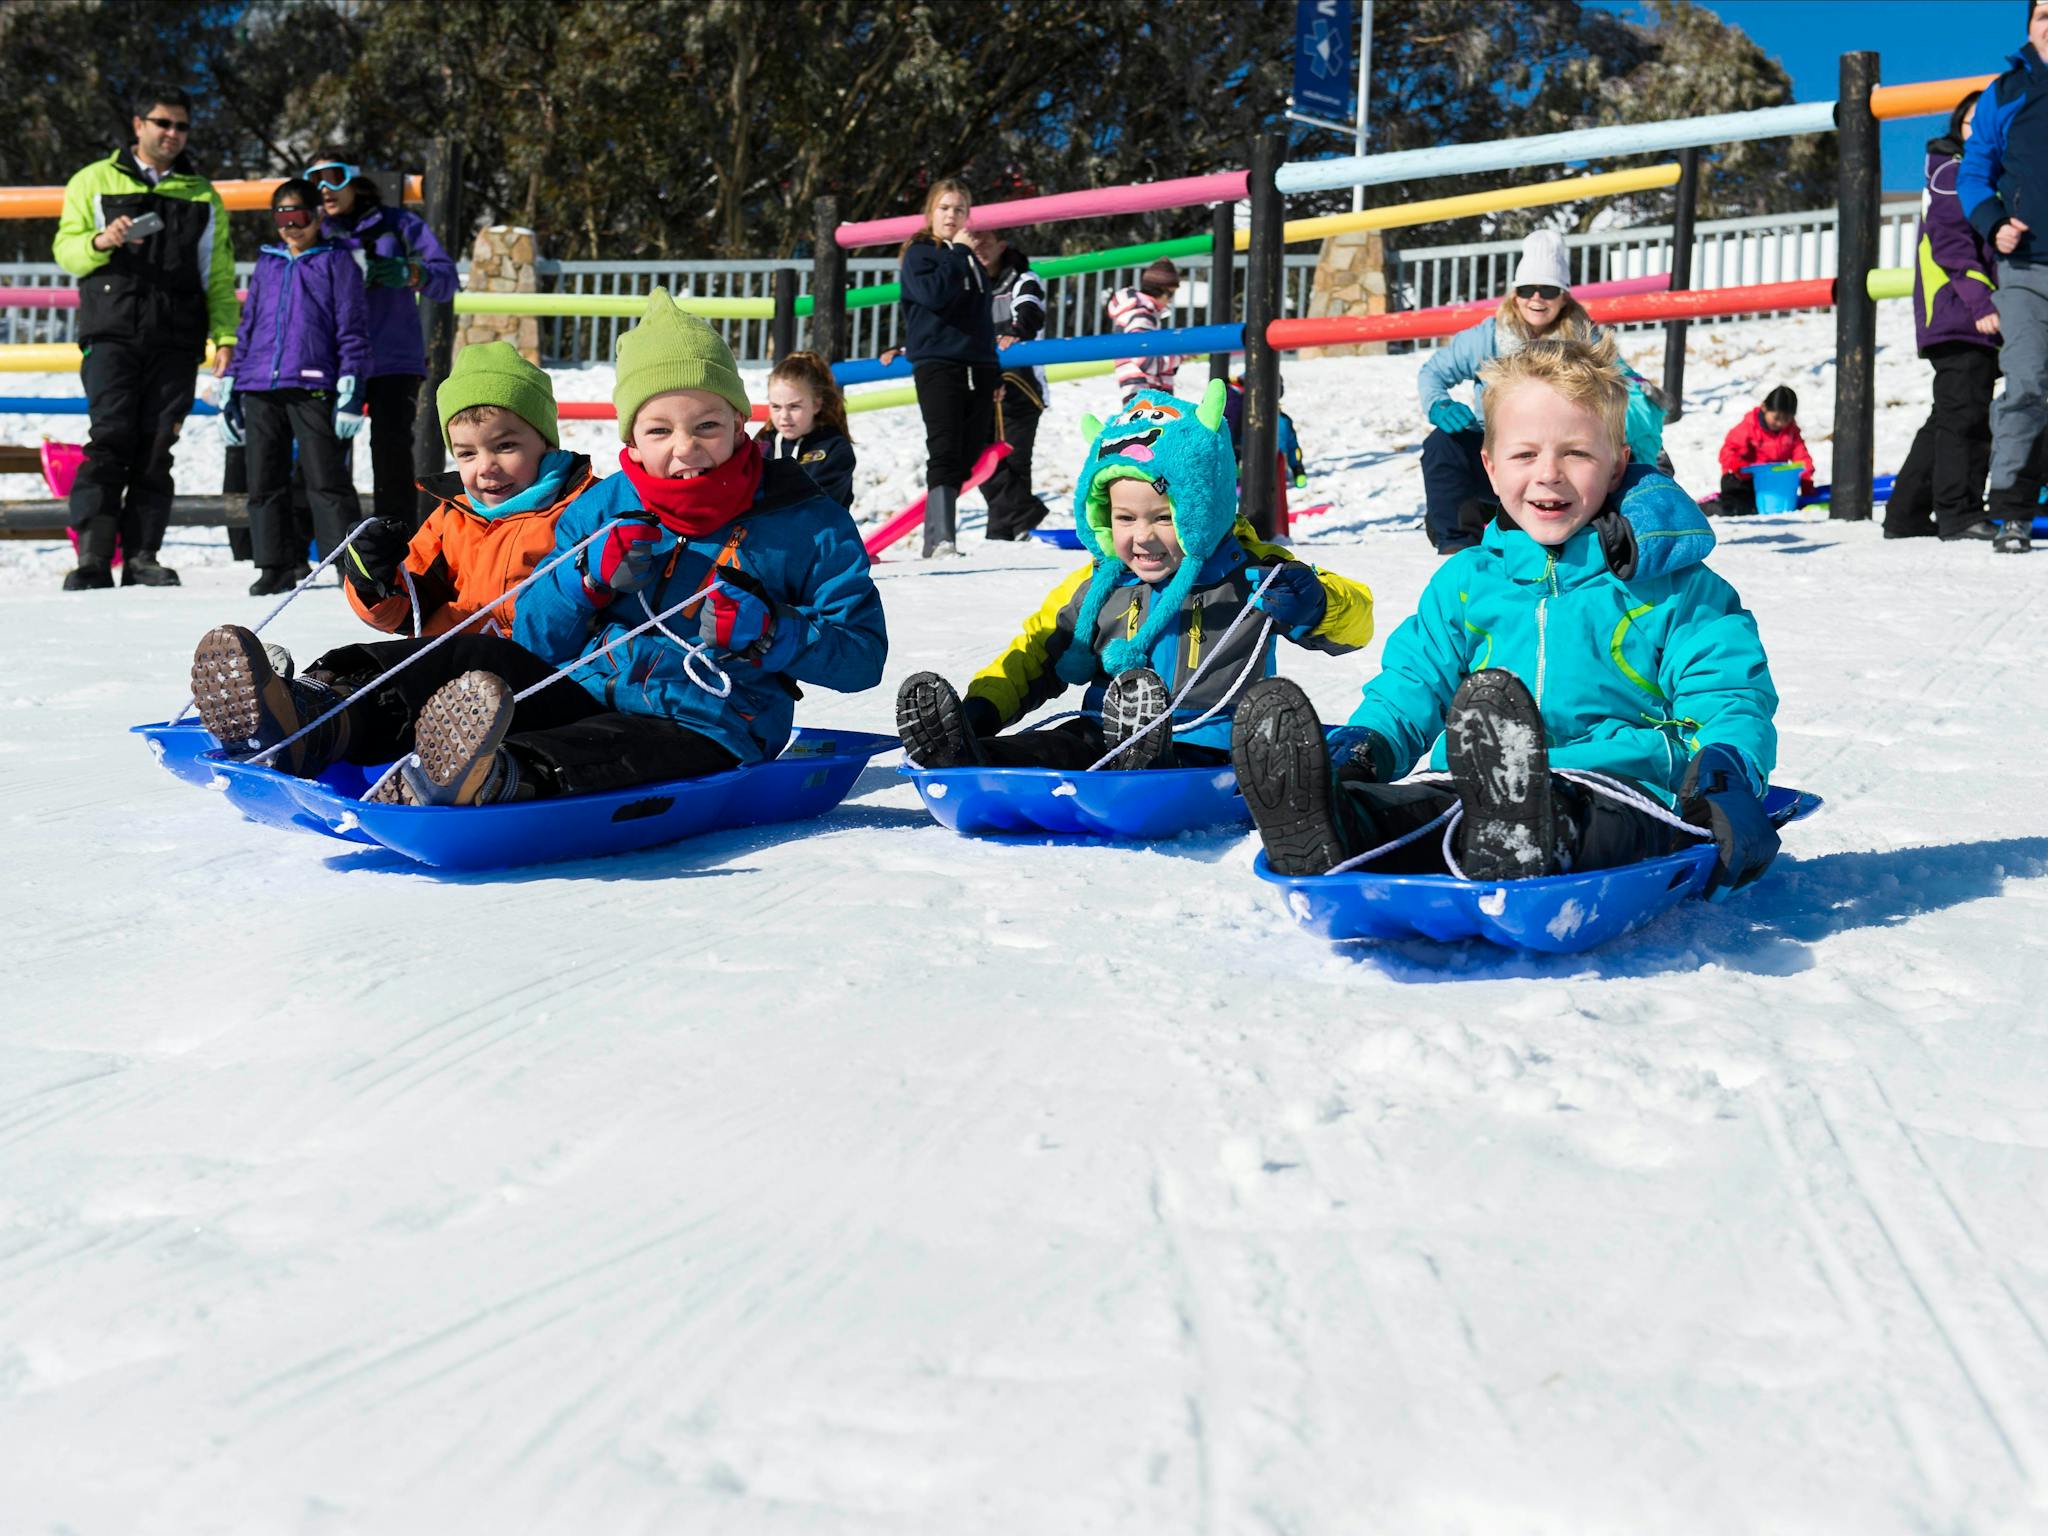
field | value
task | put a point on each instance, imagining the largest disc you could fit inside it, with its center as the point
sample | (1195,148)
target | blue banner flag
(1322,58)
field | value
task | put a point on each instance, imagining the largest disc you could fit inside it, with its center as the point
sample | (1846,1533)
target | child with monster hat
(1174,566)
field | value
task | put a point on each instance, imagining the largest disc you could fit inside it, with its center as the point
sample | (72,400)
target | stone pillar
(1351,279)
(503,261)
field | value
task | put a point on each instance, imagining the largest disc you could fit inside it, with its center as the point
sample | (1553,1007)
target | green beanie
(668,350)
(495,374)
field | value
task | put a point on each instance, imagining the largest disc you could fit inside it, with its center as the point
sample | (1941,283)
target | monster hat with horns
(1185,453)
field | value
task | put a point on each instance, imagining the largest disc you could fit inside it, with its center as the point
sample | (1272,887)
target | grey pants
(2019,414)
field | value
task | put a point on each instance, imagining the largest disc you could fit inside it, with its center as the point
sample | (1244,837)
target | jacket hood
(1943,147)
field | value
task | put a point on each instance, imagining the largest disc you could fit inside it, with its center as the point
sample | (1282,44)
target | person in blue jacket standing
(402,262)
(950,333)
(2003,187)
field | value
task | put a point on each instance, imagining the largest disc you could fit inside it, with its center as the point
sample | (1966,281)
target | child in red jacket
(1767,435)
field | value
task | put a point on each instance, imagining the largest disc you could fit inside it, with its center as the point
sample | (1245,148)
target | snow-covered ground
(856,1177)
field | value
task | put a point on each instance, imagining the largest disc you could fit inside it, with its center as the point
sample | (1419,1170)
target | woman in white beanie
(1539,305)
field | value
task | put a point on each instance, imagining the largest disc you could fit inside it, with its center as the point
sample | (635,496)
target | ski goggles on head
(332,173)
(1539,291)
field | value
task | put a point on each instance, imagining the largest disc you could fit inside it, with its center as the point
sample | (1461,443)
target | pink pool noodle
(1098,203)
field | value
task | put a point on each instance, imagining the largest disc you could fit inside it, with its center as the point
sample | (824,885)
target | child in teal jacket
(1575,675)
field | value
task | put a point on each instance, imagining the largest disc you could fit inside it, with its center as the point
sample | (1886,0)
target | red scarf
(704,503)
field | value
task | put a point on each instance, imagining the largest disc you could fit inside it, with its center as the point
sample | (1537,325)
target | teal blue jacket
(1636,653)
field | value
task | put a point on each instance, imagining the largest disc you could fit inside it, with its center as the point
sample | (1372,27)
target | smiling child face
(1553,463)
(683,433)
(1141,530)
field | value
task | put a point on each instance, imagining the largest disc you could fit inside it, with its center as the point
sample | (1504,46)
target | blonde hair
(1587,373)
(1572,322)
(938,190)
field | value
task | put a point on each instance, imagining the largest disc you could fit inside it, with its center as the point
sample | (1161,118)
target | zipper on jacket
(1543,623)
(291,295)
(1194,637)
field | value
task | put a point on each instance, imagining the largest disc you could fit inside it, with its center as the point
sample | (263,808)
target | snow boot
(2015,537)
(275,580)
(249,706)
(933,725)
(1131,702)
(1283,770)
(1493,743)
(941,509)
(145,570)
(95,571)
(459,741)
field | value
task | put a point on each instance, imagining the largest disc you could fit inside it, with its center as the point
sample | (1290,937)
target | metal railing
(1765,248)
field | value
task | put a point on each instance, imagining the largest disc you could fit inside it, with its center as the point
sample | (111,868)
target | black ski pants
(1606,834)
(393,399)
(272,420)
(1940,487)
(958,403)
(137,395)
(1013,508)
(1073,746)
(1458,498)
(566,742)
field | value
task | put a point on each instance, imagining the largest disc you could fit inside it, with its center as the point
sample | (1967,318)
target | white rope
(694,651)
(413,595)
(1222,644)
(286,601)
(654,621)
(435,644)
(1451,817)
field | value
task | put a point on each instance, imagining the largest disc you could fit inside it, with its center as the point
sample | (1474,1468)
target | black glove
(371,563)
(1361,755)
(1715,794)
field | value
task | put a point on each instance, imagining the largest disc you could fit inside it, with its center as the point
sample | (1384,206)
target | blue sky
(1914,40)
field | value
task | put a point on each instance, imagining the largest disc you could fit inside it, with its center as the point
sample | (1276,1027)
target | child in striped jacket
(1133,311)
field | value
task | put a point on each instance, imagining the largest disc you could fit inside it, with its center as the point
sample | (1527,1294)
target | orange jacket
(462,561)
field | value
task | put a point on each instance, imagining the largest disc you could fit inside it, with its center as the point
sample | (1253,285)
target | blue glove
(1452,416)
(348,416)
(231,428)
(1294,597)
(1715,794)
(741,620)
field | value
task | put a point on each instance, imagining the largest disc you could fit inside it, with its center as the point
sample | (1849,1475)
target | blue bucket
(1777,486)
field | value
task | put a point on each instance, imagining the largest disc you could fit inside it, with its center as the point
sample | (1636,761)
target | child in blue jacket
(1174,571)
(300,358)
(1579,672)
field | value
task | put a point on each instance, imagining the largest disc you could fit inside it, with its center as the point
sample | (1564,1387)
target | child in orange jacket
(1767,435)
(497,512)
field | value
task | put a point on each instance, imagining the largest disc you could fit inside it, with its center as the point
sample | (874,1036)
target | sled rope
(694,651)
(1452,815)
(1229,694)
(286,601)
(432,645)
(412,594)
(653,622)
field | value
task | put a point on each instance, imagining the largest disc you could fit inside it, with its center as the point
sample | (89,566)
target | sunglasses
(292,217)
(332,173)
(170,124)
(1539,291)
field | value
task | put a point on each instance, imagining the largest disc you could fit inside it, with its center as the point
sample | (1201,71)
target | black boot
(1983,528)
(1131,702)
(144,570)
(249,708)
(941,515)
(2015,537)
(1283,769)
(459,741)
(933,725)
(271,580)
(95,557)
(1493,743)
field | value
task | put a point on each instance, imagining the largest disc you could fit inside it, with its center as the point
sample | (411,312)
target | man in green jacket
(147,305)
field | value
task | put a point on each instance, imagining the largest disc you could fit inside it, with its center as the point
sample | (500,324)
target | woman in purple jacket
(300,356)
(1940,489)
(402,262)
